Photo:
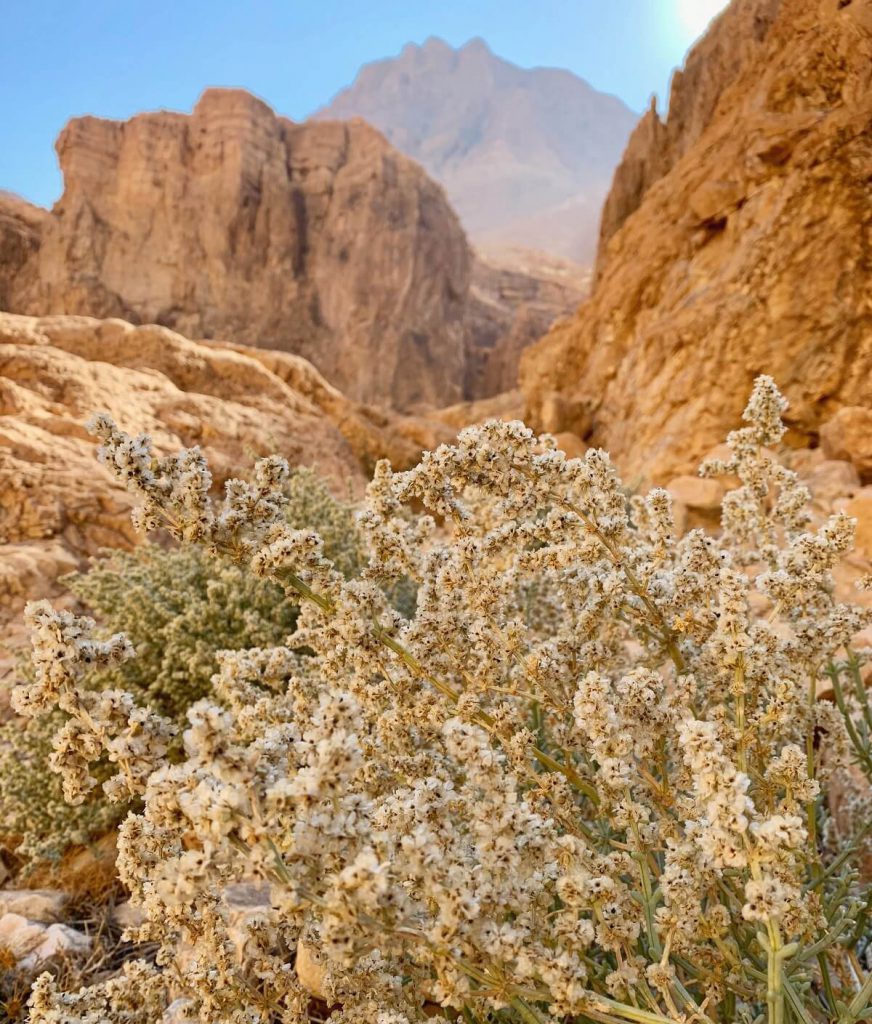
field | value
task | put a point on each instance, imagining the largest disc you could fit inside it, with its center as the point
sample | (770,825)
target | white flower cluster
(104,724)
(580,780)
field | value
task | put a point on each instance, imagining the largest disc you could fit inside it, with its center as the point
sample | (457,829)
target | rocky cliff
(515,295)
(235,223)
(57,504)
(21,225)
(525,154)
(737,240)
(711,67)
(317,239)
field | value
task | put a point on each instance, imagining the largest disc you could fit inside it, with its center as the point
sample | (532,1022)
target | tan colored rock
(515,296)
(860,507)
(571,445)
(20,936)
(773,116)
(58,505)
(31,942)
(234,223)
(372,433)
(310,971)
(696,492)
(318,239)
(20,228)
(848,435)
(43,905)
(804,460)
(58,940)
(829,480)
(735,41)
(509,405)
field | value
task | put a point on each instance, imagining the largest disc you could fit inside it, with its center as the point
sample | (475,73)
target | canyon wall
(737,240)
(237,224)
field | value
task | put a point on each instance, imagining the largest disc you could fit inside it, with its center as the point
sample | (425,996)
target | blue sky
(112,58)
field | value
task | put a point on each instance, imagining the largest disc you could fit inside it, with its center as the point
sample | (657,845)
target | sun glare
(694,15)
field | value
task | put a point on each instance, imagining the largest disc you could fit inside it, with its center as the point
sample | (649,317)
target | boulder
(831,479)
(57,940)
(58,505)
(848,435)
(860,507)
(32,942)
(43,905)
(698,493)
(20,936)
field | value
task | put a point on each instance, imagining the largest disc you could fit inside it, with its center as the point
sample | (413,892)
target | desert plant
(584,781)
(179,608)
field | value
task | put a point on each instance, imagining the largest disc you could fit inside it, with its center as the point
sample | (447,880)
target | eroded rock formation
(20,229)
(515,296)
(57,504)
(237,224)
(317,239)
(737,240)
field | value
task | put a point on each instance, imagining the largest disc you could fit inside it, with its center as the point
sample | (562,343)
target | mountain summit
(526,155)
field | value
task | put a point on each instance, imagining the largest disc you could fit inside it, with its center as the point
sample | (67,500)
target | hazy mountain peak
(477,45)
(526,155)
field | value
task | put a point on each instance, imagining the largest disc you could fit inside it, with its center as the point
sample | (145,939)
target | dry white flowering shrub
(584,781)
(179,608)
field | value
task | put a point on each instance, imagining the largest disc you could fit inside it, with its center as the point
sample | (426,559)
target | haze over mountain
(525,155)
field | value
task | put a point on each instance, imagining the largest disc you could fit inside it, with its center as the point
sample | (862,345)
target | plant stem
(406,656)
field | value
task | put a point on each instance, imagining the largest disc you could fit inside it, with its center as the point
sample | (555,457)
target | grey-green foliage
(179,607)
(36,820)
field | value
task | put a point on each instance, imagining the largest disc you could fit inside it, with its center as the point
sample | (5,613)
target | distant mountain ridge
(526,156)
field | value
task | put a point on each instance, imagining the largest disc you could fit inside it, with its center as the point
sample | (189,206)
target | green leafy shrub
(179,607)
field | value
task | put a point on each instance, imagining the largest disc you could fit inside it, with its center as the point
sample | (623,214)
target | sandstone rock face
(525,154)
(20,227)
(516,295)
(233,223)
(736,241)
(848,435)
(711,67)
(57,504)
(316,239)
